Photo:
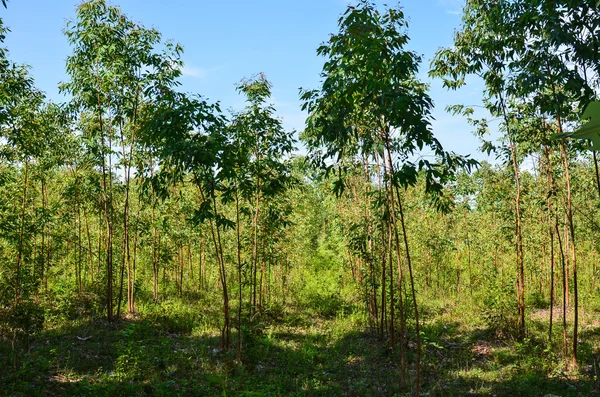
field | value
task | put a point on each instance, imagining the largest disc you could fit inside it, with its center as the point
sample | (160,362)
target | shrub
(23,318)
(500,310)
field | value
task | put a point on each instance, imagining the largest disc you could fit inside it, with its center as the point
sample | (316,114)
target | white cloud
(294,120)
(192,71)
(450,3)
(452,7)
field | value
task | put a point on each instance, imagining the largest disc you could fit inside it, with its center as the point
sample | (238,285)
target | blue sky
(225,41)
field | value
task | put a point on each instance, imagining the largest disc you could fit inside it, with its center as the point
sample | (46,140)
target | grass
(172,349)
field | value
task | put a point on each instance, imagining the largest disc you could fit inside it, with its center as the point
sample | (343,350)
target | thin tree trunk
(190,264)
(127,175)
(107,201)
(399,265)
(573,253)
(255,247)
(80,249)
(262,273)
(384,245)
(239,273)
(181,268)
(391,271)
(549,194)
(20,246)
(567,240)
(519,246)
(469,259)
(410,270)
(135,248)
(564,288)
(597,172)
(101,240)
(383,279)
(90,252)
(216,237)
(154,242)
(201,274)
(414,294)
(43,243)
(551,232)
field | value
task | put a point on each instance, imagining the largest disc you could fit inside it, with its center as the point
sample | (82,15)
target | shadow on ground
(282,356)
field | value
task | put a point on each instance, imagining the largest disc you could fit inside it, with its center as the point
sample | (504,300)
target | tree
(189,136)
(537,60)
(261,173)
(371,104)
(116,69)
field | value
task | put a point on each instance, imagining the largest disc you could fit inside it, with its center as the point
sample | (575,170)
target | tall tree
(116,69)
(370,102)
(262,143)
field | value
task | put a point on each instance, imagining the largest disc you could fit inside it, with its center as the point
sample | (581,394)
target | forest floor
(290,354)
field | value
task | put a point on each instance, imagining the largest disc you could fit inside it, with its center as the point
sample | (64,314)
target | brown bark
(564,289)
(239,273)
(573,252)
(21,243)
(399,265)
(550,190)
(519,246)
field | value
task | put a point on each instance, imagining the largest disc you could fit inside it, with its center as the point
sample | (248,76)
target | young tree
(189,136)
(116,69)
(371,104)
(261,172)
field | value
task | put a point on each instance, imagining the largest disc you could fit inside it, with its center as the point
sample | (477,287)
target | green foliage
(206,223)
(67,304)
(499,310)
(22,319)
(173,317)
(370,101)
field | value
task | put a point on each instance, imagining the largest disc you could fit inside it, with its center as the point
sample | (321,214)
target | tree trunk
(399,264)
(573,253)
(239,273)
(18,282)
(255,248)
(154,244)
(519,246)
(550,192)
(89,245)
(564,288)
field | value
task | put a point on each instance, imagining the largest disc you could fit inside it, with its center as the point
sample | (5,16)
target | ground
(173,349)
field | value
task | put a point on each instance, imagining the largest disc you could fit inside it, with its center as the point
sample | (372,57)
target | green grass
(172,349)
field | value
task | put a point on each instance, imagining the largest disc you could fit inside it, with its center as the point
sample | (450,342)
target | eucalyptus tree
(23,134)
(190,138)
(482,48)
(262,143)
(561,60)
(537,60)
(241,182)
(117,67)
(370,104)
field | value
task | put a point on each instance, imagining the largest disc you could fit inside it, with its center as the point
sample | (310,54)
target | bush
(23,318)
(500,310)
(65,302)
(174,317)
(536,300)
